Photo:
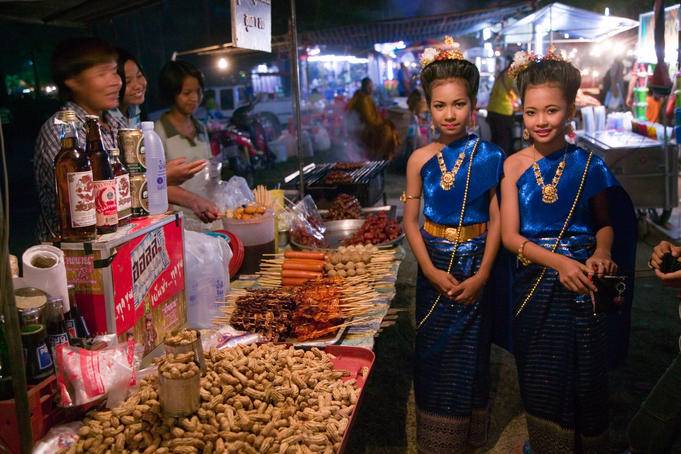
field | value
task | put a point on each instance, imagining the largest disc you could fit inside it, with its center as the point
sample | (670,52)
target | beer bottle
(82,330)
(122,175)
(104,179)
(74,184)
(54,323)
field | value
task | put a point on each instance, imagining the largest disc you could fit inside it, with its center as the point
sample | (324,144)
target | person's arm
(203,208)
(443,281)
(601,261)
(572,274)
(471,287)
(179,170)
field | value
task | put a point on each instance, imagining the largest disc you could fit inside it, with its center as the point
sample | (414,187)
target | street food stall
(647,168)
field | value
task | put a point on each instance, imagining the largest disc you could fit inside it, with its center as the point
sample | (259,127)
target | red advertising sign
(147,271)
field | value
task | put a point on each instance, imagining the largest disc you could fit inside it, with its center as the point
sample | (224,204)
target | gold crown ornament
(523,59)
(450,51)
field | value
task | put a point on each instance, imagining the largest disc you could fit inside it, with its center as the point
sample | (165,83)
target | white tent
(561,23)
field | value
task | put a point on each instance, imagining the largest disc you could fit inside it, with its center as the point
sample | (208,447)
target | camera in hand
(670,264)
(610,295)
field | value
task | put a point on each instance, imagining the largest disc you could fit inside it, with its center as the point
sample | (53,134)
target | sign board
(252,24)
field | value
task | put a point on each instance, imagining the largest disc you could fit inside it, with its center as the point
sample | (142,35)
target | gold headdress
(523,59)
(450,51)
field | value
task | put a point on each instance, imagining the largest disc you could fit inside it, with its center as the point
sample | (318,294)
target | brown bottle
(74,184)
(122,175)
(105,181)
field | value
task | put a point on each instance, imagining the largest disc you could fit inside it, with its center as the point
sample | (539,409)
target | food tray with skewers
(313,313)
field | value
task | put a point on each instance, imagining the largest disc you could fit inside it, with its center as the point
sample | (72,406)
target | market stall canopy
(566,23)
(414,29)
(75,13)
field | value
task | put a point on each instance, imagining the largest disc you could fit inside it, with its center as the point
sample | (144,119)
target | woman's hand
(204,209)
(470,289)
(444,282)
(575,276)
(601,264)
(179,170)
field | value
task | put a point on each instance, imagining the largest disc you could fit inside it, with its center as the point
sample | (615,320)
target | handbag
(610,295)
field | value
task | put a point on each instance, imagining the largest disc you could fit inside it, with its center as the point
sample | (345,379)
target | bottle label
(71,327)
(58,339)
(44,357)
(124,196)
(105,202)
(81,199)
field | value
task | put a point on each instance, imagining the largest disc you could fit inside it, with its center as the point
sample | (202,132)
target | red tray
(352,359)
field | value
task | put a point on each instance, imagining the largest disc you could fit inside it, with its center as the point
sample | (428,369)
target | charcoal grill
(368,183)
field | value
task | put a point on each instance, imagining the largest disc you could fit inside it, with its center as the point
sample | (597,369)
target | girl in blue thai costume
(571,225)
(457,177)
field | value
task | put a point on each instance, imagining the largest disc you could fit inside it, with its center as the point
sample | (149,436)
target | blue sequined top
(444,207)
(543,220)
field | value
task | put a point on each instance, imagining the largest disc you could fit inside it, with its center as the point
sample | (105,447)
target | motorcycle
(229,145)
(245,122)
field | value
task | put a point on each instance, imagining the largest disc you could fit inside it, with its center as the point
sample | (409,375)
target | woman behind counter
(183,136)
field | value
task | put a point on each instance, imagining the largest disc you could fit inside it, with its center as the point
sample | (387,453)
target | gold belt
(468,232)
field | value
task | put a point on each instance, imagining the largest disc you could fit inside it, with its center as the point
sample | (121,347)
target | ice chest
(132,281)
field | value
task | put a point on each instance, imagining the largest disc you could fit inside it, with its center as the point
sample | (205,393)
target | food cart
(647,169)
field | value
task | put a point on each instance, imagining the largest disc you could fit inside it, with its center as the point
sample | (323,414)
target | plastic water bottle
(157,184)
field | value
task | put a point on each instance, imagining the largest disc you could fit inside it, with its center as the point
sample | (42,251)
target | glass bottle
(74,184)
(104,179)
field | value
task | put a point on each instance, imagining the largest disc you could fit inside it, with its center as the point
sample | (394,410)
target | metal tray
(391,210)
(322,341)
(338,231)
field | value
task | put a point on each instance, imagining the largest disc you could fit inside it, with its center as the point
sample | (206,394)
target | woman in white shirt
(181,86)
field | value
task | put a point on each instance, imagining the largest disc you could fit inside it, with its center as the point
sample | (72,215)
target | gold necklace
(449,176)
(549,192)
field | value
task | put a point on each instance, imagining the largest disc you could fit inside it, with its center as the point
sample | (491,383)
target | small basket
(179,396)
(195,347)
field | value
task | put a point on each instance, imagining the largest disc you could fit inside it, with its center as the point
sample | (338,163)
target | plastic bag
(207,268)
(59,437)
(229,337)
(237,193)
(87,375)
(307,227)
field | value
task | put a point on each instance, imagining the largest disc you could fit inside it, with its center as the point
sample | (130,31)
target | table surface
(612,140)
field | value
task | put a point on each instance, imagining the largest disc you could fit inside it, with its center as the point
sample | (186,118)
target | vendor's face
(545,113)
(96,89)
(189,98)
(135,85)
(450,108)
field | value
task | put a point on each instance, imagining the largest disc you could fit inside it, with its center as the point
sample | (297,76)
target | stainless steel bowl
(339,231)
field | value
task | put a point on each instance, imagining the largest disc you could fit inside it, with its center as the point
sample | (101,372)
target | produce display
(309,311)
(348,166)
(349,261)
(178,366)
(184,337)
(254,399)
(335,177)
(377,229)
(344,207)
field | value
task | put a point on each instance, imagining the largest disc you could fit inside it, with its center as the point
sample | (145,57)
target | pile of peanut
(177,366)
(255,399)
(184,337)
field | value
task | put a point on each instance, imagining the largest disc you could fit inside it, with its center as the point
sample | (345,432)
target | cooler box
(132,281)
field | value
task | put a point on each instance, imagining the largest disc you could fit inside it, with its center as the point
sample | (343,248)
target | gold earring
(432,127)
(526,134)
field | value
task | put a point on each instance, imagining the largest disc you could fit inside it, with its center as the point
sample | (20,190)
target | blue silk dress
(562,349)
(451,378)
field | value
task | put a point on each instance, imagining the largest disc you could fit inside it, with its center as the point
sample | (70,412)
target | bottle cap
(115,152)
(67,116)
(147,125)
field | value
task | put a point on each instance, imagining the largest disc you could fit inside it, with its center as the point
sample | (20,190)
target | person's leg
(658,422)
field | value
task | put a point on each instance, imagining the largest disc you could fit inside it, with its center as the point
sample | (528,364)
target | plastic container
(257,235)
(157,184)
